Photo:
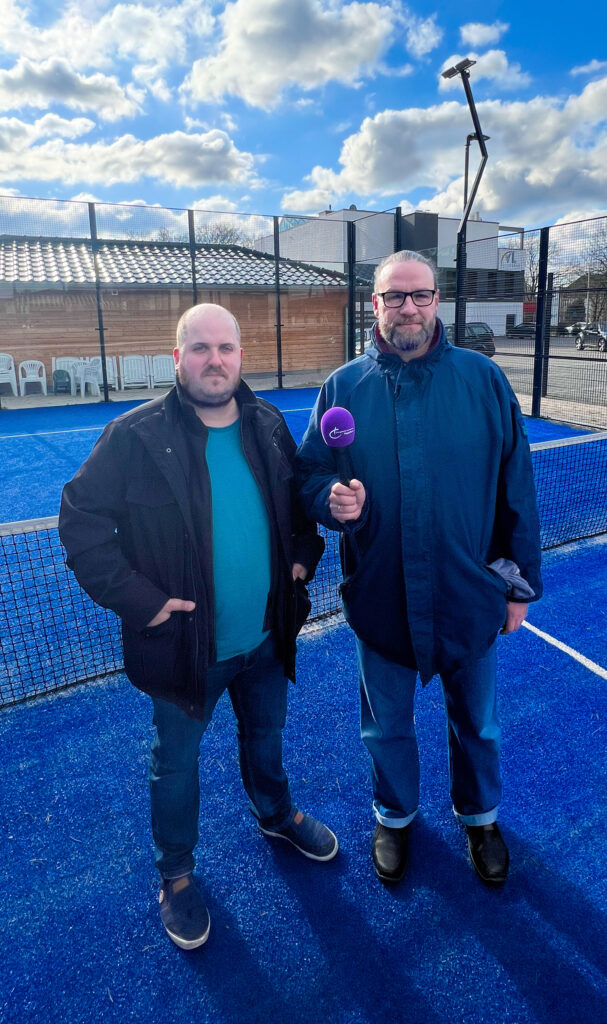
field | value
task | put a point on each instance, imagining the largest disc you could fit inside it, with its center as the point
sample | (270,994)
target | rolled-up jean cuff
(485,818)
(173,878)
(391,820)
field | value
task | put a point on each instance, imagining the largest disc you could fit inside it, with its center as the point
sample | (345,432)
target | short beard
(208,401)
(395,340)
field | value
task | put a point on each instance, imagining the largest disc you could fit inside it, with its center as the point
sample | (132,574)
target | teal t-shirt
(241,545)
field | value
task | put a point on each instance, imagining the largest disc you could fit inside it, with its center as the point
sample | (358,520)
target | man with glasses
(440,551)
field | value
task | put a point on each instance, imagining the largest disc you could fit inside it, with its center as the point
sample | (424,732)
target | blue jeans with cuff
(258,691)
(387,692)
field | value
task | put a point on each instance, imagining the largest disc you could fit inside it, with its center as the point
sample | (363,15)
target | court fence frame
(547,284)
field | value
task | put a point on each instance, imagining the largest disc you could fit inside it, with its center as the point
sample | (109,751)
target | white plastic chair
(110,369)
(87,374)
(134,372)
(162,371)
(7,371)
(32,371)
(67,363)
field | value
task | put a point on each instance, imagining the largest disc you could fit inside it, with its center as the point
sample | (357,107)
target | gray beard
(401,344)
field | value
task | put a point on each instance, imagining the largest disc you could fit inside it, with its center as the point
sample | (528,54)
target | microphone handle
(344,466)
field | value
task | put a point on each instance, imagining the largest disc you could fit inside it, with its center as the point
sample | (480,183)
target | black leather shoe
(488,853)
(390,850)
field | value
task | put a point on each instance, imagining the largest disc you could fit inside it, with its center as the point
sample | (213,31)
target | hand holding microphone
(346,498)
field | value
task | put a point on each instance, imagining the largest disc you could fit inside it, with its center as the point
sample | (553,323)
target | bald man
(184,521)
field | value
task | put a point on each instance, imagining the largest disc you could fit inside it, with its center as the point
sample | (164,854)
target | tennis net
(52,635)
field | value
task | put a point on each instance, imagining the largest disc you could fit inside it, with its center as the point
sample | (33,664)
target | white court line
(43,433)
(81,430)
(586,662)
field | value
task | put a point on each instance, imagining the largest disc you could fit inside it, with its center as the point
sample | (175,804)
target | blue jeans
(258,691)
(387,692)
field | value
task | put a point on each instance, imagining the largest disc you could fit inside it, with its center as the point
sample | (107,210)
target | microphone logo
(337,433)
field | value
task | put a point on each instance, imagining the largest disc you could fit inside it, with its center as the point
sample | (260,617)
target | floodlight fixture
(458,69)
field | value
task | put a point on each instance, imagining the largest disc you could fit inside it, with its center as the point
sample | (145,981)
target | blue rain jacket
(442,451)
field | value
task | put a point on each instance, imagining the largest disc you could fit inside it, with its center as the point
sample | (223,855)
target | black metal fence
(545,300)
(92,282)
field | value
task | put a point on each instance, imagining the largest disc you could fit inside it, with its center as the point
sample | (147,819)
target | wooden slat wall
(43,324)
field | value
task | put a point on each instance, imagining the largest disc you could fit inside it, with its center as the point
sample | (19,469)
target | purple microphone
(338,430)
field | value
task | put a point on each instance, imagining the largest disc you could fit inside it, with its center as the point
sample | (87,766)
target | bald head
(205,314)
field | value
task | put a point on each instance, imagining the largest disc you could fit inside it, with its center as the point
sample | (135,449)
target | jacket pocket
(151,655)
(495,578)
(302,605)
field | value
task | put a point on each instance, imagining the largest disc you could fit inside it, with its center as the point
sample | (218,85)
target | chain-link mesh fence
(90,295)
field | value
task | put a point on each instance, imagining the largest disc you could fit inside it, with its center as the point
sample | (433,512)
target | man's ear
(176,356)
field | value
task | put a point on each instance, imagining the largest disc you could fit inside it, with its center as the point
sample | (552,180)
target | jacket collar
(390,362)
(177,406)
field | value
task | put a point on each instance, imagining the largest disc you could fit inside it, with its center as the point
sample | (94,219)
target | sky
(294,106)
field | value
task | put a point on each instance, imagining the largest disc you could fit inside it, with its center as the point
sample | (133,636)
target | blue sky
(289,106)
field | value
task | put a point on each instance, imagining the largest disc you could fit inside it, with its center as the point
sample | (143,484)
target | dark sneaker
(309,836)
(183,912)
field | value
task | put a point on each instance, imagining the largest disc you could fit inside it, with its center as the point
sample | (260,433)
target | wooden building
(55,294)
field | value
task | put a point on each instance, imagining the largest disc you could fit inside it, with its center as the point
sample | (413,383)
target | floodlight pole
(462,69)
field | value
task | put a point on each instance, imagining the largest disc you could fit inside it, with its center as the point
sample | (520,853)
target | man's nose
(408,305)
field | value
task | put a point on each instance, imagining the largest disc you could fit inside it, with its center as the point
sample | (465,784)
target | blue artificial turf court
(80,932)
(42,448)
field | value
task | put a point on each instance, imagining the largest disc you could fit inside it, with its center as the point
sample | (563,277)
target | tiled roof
(70,262)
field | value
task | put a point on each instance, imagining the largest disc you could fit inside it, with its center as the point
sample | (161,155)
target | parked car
(527,330)
(576,327)
(478,336)
(592,336)
(524,330)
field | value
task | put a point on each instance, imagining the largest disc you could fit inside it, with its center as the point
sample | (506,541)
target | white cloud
(590,69)
(492,65)
(228,122)
(17,135)
(423,35)
(215,203)
(541,153)
(148,33)
(306,201)
(269,46)
(195,122)
(147,76)
(478,34)
(55,82)
(176,158)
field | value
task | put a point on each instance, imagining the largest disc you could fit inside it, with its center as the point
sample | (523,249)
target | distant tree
(222,232)
(596,270)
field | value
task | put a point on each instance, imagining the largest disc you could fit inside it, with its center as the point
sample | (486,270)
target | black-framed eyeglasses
(393,300)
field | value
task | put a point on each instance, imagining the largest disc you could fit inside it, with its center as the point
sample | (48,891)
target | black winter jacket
(126,523)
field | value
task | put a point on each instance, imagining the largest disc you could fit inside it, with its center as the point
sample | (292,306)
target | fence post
(547,335)
(192,237)
(461,261)
(536,399)
(398,230)
(94,246)
(277,289)
(351,258)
